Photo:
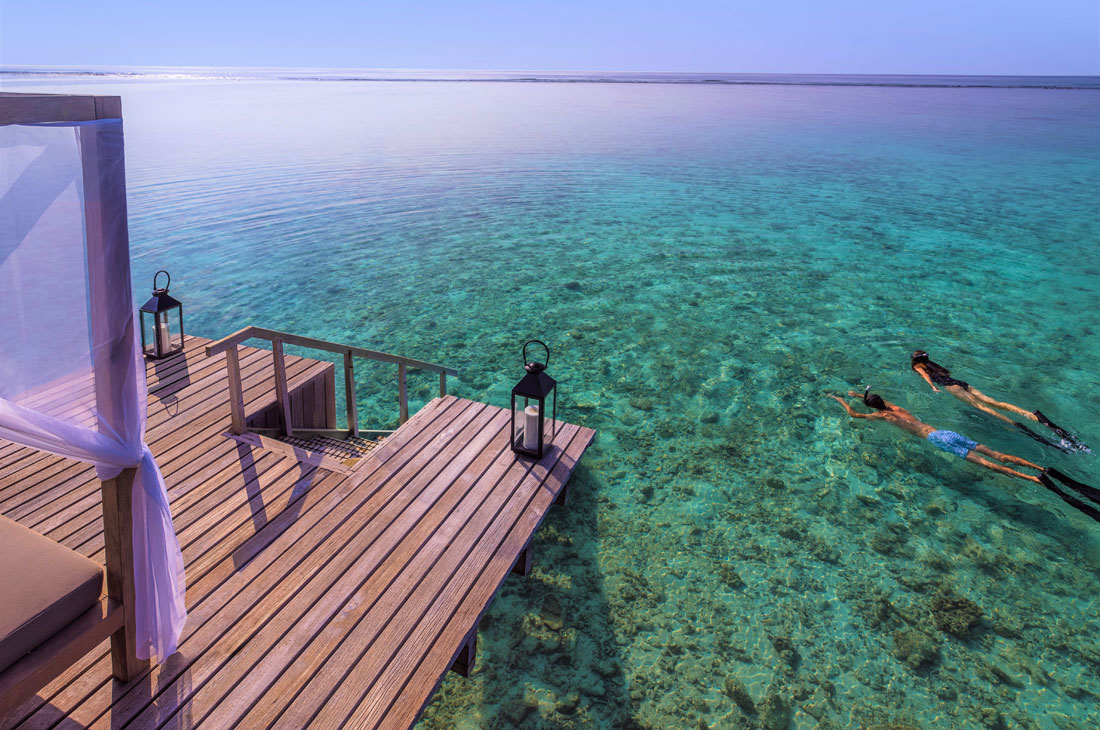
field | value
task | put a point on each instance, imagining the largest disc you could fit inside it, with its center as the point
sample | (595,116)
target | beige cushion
(44,586)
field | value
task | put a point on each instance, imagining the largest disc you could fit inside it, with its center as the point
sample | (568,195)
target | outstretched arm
(924,374)
(851,412)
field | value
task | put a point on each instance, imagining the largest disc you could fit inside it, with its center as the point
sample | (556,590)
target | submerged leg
(972,400)
(1006,458)
(973,458)
(1001,404)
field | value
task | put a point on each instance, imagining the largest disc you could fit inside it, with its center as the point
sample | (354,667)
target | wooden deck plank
(479,532)
(209,594)
(407,686)
(83,498)
(367,633)
(314,596)
(430,498)
(318,603)
(62,471)
(251,608)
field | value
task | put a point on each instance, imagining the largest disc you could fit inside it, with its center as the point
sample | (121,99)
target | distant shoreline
(1076,83)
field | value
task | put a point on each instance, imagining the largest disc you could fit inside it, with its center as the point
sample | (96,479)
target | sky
(1012,37)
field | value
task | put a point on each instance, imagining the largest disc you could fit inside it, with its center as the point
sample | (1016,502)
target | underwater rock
(821,549)
(775,711)
(1004,677)
(775,483)
(709,417)
(791,532)
(914,648)
(573,285)
(516,710)
(552,614)
(953,614)
(891,726)
(567,705)
(641,403)
(991,718)
(784,647)
(891,544)
(736,691)
(730,576)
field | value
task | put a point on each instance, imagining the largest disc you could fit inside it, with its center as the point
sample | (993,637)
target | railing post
(280,385)
(349,394)
(236,394)
(442,384)
(402,394)
(118,547)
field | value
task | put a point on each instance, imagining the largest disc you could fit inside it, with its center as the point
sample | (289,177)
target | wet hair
(920,357)
(873,400)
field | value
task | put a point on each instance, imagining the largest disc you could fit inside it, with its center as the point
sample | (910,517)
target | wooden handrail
(261,333)
(229,344)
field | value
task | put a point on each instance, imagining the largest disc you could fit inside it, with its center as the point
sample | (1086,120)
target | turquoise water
(706,262)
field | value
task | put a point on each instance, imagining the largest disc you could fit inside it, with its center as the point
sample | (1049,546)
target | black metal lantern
(529,424)
(161,322)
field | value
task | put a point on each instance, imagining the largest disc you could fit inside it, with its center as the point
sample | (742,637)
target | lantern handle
(165,272)
(536,342)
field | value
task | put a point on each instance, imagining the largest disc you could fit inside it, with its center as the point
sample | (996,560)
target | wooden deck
(316,597)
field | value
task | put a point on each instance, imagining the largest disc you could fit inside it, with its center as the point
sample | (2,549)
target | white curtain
(72,378)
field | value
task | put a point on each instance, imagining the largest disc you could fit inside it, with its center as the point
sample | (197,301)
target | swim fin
(1091,492)
(1062,432)
(1072,501)
(1061,446)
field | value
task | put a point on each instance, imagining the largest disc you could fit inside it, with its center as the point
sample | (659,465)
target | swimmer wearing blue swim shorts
(972,451)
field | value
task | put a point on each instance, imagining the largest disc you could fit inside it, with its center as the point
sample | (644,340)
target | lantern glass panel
(162,331)
(148,338)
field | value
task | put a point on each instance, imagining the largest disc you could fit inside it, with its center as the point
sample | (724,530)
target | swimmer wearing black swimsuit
(936,374)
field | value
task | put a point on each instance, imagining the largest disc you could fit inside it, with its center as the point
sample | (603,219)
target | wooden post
(467,655)
(402,394)
(442,384)
(522,566)
(563,496)
(349,394)
(119,551)
(280,386)
(107,247)
(236,394)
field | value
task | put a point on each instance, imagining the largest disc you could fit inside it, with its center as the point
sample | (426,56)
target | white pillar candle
(531,428)
(164,337)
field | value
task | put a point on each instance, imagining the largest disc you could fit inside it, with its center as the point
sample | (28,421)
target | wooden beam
(402,395)
(118,542)
(305,456)
(280,386)
(308,433)
(562,500)
(442,385)
(265,334)
(349,394)
(522,565)
(38,108)
(467,656)
(236,395)
(34,671)
(106,240)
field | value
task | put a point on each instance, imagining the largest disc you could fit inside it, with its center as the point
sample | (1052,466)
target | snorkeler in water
(936,374)
(972,451)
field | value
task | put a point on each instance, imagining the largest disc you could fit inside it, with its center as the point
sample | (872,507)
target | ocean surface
(707,256)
